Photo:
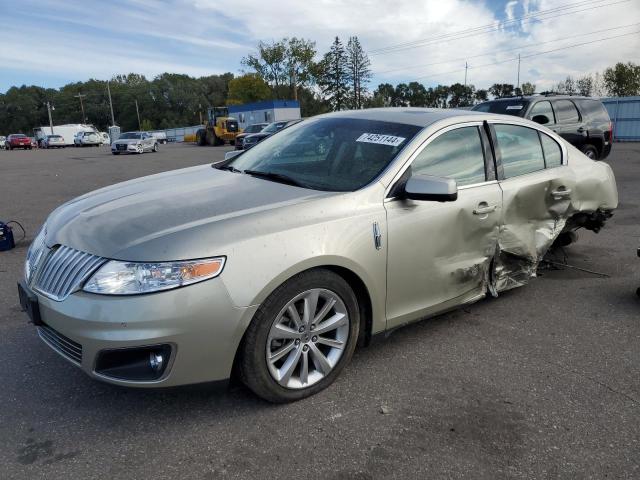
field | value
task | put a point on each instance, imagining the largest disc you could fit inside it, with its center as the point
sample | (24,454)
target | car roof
(420,117)
(542,97)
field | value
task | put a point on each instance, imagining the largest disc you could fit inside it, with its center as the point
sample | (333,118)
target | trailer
(68,131)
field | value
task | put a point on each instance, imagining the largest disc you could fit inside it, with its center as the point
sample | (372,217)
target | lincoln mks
(278,262)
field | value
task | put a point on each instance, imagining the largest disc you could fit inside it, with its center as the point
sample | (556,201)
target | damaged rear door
(537,189)
(439,253)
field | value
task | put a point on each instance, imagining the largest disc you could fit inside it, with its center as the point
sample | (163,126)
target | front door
(439,253)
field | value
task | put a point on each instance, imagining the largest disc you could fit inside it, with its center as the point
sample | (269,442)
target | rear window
(520,150)
(514,107)
(594,110)
(566,111)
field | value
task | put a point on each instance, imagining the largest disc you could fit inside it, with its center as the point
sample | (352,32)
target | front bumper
(130,148)
(199,321)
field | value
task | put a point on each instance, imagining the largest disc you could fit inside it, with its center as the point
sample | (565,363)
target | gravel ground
(543,382)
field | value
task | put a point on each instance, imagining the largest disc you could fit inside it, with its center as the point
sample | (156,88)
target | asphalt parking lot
(543,382)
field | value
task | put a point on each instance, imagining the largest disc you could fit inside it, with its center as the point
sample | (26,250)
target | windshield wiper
(277,177)
(230,168)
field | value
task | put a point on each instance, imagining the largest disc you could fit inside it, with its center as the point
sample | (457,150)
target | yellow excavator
(219,129)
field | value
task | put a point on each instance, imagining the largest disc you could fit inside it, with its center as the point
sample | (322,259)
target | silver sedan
(282,260)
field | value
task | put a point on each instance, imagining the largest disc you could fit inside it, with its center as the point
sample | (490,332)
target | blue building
(266,111)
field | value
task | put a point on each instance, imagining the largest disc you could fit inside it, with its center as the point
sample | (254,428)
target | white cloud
(208,36)
(509,8)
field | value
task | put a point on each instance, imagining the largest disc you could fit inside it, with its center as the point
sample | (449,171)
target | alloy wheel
(307,338)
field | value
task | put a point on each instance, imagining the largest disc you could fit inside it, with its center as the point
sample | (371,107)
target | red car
(17,140)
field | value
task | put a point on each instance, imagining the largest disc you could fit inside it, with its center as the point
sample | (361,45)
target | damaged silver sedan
(277,262)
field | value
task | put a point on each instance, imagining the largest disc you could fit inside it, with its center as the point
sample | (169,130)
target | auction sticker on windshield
(390,140)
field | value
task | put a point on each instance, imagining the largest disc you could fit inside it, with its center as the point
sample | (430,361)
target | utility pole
(113,121)
(518,82)
(466,67)
(138,113)
(81,96)
(50,120)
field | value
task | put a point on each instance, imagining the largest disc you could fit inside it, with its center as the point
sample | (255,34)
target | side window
(566,111)
(542,108)
(456,154)
(552,151)
(594,110)
(519,149)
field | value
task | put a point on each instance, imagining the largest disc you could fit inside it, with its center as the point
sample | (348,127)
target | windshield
(333,154)
(255,128)
(274,127)
(515,107)
(55,137)
(130,135)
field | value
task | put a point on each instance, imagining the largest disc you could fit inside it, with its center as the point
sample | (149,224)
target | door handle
(561,193)
(484,210)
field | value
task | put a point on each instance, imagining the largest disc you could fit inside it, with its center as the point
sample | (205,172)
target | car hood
(127,141)
(175,215)
(258,135)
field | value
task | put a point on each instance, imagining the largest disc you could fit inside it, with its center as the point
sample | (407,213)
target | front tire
(301,337)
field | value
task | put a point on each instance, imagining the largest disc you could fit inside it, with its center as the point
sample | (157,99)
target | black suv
(582,121)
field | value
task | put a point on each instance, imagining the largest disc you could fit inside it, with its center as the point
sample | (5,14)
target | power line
(593,32)
(483,30)
(536,54)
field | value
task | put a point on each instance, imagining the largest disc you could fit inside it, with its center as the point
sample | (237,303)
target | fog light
(156,361)
(141,364)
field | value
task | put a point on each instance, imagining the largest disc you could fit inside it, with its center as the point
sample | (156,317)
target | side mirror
(233,154)
(541,119)
(427,187)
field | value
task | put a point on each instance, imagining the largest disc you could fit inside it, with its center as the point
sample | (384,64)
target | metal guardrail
(625,115)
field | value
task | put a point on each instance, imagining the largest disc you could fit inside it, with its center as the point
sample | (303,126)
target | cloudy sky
(50,43)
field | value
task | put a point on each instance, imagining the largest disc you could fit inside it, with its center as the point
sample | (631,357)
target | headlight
(130,278)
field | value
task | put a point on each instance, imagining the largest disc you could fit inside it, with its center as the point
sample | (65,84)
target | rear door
(537,191)
(569,124)
(439,253)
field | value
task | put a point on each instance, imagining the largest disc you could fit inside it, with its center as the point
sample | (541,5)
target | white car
(87,139)
(3,139)
(53,141)
(105,138)
(134,142)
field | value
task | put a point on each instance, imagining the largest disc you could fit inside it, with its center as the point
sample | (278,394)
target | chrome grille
(64,270)
(34,254)
(65,346)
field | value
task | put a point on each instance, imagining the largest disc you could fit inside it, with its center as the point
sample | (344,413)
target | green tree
(622,80)
(501,90)
(528,88)
(567,86)
(359,67)
(270,63)
(480,96)
(299,63)
(146,125)
(334,76)
(461,95)
(247,88)
(384,95)
(584,85)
